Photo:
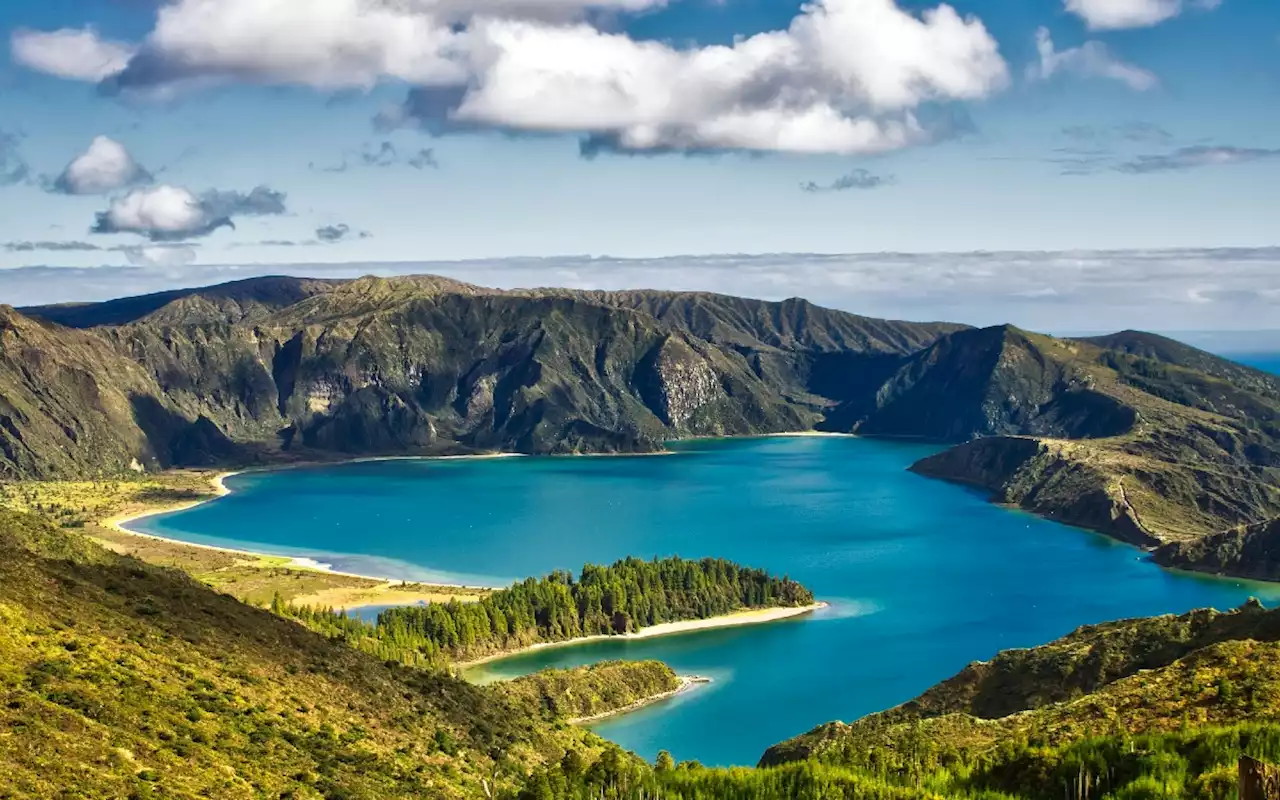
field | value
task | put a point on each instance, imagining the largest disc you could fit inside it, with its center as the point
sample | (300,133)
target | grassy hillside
(593,690)
(89,507)
(1196,763)
(124,680)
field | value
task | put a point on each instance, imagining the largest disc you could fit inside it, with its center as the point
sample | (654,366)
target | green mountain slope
(1150,452)
(986,383)
(1170,351)
(123,680)
(420,365)
(238,300)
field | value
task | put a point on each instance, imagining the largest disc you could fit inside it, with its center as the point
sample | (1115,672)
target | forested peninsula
(614,600)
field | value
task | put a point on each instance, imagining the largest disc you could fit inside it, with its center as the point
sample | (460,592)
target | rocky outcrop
(1251,551)
(677,382)
(1051,478)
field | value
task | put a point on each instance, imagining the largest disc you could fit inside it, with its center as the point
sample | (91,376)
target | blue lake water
(923,576)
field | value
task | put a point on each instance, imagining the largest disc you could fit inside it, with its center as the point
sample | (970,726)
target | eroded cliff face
(1055,479)
(1250,551)
(677,382)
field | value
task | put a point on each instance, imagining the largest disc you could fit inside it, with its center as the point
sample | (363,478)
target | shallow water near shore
(922,576)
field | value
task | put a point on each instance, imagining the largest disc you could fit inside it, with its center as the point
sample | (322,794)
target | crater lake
(922,576)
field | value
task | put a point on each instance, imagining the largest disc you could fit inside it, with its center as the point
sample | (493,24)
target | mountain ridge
(1134,435)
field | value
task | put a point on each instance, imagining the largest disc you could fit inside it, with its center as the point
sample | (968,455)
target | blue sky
(857,126)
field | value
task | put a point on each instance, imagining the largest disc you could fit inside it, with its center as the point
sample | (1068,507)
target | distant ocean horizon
(1268,362)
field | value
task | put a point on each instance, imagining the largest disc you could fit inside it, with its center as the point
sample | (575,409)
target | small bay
(922,576)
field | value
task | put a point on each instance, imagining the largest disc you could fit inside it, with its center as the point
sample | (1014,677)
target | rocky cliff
(1249,551)
(282,367)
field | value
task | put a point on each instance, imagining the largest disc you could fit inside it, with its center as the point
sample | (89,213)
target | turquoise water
(923,576)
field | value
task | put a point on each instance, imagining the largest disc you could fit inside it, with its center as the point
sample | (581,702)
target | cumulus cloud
(13,167)
(104,168)
(170,214)
(1116,14)
(1090,60)
(70,53)
(1199,156)
(858,179)
(847,76)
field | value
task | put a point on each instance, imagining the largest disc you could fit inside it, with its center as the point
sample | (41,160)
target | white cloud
(844,78)
(170,213)
(161,211)
(1090,60)
(1117,14)
(847,76)
(70,53)
(333,44)
(104,168)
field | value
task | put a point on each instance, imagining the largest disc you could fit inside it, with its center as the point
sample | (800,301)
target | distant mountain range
(1133,434)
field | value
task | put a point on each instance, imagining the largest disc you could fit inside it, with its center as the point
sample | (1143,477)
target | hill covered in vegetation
(596,690)
(1199,455)
(281,367)
(120,679)
(623,598)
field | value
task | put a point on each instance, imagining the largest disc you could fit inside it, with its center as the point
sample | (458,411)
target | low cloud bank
(1193,289)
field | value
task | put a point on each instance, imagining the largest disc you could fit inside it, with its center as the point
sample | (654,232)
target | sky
(1062,164)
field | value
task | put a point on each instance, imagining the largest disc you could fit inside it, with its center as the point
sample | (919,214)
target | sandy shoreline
(687,684)
(751,617)
(120,523)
